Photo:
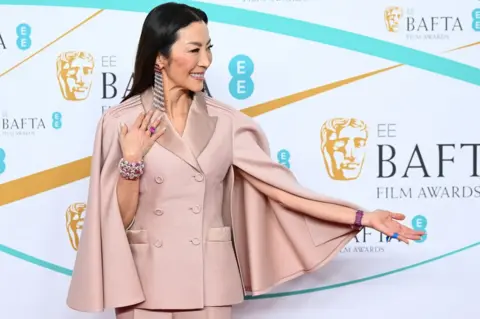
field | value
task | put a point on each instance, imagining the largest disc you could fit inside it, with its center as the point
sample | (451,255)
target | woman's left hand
(387,222)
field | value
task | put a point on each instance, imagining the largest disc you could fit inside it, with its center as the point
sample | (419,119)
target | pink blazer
(203,235)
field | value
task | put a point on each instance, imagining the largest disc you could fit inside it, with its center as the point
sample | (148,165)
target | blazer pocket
(137,236)
(220,234)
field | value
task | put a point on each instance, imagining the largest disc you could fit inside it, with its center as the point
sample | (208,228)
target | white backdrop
(408,75)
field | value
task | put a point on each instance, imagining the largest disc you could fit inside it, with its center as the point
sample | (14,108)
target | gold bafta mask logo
(74,74)
(392,16)
(75,216)
(343,142)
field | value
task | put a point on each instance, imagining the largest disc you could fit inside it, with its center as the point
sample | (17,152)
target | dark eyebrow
(198,43)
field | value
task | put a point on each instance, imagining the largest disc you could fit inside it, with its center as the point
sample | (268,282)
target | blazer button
(158,243)
(196,209)
(159,179)
(198,177)
(195,241)
(158,212)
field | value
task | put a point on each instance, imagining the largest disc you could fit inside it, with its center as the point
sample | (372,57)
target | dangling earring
(158,92)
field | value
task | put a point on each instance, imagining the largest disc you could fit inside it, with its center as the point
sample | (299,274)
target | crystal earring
(158,92)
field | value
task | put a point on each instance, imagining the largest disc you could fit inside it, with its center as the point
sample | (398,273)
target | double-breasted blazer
(202,235)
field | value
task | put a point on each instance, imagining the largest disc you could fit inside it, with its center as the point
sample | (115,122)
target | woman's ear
(160,62)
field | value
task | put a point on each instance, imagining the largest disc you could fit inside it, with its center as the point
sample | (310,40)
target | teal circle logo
(283,157)
(3,166)
(24,31)
(420,222)
(57,120)
(476,20)
(241,85)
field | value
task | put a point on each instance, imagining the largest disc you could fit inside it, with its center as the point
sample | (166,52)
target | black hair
(159,33)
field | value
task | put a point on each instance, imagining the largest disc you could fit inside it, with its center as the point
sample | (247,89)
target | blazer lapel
(200,126)
(198,131)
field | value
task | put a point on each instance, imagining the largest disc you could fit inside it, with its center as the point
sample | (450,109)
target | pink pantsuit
(203,236)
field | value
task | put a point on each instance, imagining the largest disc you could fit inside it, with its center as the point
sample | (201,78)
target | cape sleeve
(104,273)
(274,243)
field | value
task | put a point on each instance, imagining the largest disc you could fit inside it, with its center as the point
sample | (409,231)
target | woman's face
(189,58)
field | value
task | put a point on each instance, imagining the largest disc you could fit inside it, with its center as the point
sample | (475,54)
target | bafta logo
(392,16)
(343,142)
(75,216)
(74,74)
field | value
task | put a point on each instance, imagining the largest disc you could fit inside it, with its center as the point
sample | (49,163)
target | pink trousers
(206,313)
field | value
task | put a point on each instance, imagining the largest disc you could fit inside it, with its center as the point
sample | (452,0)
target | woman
(187,213)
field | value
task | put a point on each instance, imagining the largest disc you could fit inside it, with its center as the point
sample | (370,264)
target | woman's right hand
(137,140)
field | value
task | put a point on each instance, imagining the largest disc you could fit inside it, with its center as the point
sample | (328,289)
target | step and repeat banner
(376,103)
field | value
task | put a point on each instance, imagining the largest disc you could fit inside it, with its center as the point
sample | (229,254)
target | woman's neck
(177,103)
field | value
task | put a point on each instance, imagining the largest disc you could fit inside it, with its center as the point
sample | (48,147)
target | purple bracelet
(358,220)
(131,170)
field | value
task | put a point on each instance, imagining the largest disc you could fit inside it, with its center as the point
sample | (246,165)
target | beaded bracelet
(131,170)
(358,220)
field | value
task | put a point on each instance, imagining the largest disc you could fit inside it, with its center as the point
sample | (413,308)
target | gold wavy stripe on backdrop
(464,46)
(51,43)
(58,176)
(37,183)
(68,173)
(272,105)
